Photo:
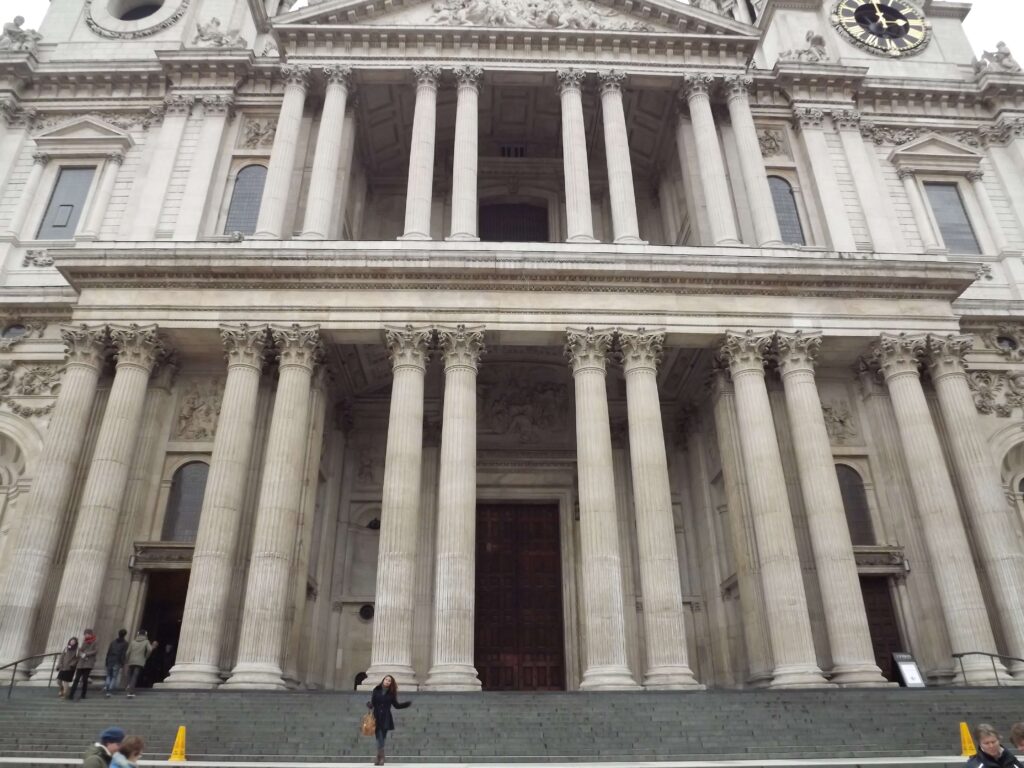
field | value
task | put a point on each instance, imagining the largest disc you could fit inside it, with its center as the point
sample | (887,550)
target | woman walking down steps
(385,696)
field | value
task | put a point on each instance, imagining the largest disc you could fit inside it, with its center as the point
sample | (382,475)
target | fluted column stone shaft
(323,181)
(620,168)
(579,215)
(959,588)
(988,511)
(85,567)
(789,624)
(668,667)
(395,597)
(28,197)
(45,508)
(209,589)
(853,658)
(606,666)
(710,161)
(270,225)
(452,666)
(98,209)
(465,162)
(419,196)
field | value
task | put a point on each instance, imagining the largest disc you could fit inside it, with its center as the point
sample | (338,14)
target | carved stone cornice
(611,81)
(695,85)
(745,351)
(808,117)
(846,119)
(796,351)
(297,345)
(570,79)
(178,104)
(338,74)
(426,76)
(738,86)
(84,345)
(945,354)
(587,348)
(899,354)
(461,347)
(468,76)
(244,344)
(408,346)
(641,349)
(137,345)
(295,75)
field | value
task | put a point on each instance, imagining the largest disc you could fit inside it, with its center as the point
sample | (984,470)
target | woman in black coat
(385,696)
(990,752)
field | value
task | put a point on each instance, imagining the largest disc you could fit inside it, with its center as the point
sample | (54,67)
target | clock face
(893,27)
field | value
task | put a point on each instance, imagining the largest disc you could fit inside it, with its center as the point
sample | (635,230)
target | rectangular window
(951,216)
(66,204)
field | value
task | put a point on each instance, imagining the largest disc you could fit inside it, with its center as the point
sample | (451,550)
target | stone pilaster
(46,506)
(98,208)
(262,633)
(454,594)
(217,111)
(605,667)
(206,605)
(419,195)
(578,214)
(988,512)
(810,122)
(395,598)
(620,169)
(853,662)
(959,589)
(166,144)
(28,197)
(992,222)
(786,611)
(464,167)
(916,199)
(668,667)
(323,182)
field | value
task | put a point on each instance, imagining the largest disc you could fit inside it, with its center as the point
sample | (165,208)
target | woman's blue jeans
(381,738)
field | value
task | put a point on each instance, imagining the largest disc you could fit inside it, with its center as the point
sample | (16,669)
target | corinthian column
(419,195)
(274,205)
(323,182)
(464,170)
(709,160)
(981,487)
(853,659)
(789,624)
(455,581)
(578,214)
(668,667)
(606,667)
(960,596)
(277,514)
(209,586)
(85,567)
(620,169)
(47,502)
(395,597)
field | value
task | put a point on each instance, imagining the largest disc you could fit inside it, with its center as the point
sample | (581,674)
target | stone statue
(999,61)
(14,38)
(210,34)
(814,52)
(532,14)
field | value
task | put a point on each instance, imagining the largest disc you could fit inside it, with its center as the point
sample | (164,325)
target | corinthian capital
(83,344)
(468,76)
(295,74)
(298,345)
(945,354)
(338,74)
(587,348)
(738,86)
(745,351)
(641,349)
(178,104)
(461,346)
(408,346)
(427,75)
(697,85)
(808,117)
(796,351)
(138,345)
(244,344)
(612,81)
(570,79)
(899,353)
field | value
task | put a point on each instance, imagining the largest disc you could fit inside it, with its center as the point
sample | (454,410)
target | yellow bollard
(178,753)
(967,748)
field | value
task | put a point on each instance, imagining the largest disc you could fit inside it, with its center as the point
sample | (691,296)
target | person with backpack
(116,652)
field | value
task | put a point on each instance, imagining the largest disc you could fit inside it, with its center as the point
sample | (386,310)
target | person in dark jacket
(102,752)
(990,752)
(66,667)
(114,662)
(385,696)
(86,661)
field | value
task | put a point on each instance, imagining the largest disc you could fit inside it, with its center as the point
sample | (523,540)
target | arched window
(245,200)
(855,504)
(181,523)
(786,211)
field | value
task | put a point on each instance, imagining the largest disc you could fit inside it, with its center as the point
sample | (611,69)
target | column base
(728,241)
(311,236)
(629,240)
(192,676)
(402,673)
(981,673)
(452,677)
(582,239)
(865,675)
(772,244)
(462,237)
(677,677)
(255,677)
(608,678)
(759,680)
(265,236)
(799,676)
(414,236)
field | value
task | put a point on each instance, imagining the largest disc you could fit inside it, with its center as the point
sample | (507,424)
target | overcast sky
(989,21)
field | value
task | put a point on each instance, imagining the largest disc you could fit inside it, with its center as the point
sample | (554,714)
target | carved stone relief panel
(257,133)
(997,392)
(839,421)
(27,389)
(198,409)
(524,407)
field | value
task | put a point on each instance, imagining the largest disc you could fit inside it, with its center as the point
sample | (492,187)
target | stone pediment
(935,153)
(83,135)
(567,15)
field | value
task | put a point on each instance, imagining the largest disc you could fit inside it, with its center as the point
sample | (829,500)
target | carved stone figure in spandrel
(14,38)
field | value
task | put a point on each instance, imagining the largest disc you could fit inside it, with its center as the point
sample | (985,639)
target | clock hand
(879,15)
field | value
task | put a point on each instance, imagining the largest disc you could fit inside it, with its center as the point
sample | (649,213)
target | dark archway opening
(513,223)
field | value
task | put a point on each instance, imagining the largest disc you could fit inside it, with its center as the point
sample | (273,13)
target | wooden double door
(519,641)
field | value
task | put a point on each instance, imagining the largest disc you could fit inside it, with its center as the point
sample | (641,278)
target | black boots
(380,757)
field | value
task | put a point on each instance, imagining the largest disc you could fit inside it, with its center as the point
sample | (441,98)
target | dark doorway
(161,618)
(882,622)
(513,223)
(519,641)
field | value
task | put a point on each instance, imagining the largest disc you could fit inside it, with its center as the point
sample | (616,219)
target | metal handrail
(992,657)
(14,672)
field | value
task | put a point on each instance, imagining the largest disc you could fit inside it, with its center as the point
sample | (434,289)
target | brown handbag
(369,725)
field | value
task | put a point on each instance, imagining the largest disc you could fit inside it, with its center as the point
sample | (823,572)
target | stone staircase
(516,727)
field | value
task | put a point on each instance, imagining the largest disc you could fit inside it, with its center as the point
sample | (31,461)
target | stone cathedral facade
(584,344)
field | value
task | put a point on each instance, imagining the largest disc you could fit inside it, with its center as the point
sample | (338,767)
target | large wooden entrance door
(882,622)
(519,642)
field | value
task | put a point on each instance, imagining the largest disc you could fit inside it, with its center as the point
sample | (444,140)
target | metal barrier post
(995,671)
(14,673)
(963,674)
